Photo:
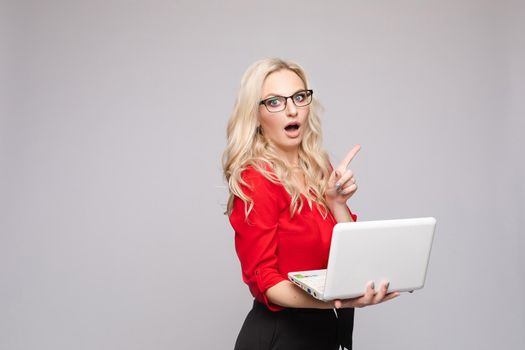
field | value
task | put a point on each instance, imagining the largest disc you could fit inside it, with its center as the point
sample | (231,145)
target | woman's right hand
(371,297)
(341,183)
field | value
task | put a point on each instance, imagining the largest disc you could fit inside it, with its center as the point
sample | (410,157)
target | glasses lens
(302,98)
(275,104)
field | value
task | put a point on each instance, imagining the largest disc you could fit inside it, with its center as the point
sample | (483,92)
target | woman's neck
(291,158)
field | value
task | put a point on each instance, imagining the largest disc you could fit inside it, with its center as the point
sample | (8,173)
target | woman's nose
(291,109)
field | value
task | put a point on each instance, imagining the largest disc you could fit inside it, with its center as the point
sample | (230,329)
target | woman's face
(285,129)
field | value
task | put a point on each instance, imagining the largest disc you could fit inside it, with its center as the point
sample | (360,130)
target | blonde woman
(284,200)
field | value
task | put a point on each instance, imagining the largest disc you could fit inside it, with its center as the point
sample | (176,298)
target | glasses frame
(308,91)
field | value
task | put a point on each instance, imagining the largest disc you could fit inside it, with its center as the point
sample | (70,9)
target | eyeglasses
(276,104)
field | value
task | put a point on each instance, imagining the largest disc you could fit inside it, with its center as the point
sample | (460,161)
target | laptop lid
(394,250)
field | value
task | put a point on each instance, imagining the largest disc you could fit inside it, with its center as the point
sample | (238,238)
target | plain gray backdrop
(113,118)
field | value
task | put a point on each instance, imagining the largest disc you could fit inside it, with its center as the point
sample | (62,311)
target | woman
(284,200)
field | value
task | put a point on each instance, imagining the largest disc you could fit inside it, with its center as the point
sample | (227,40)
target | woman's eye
(299,97)
(274,102)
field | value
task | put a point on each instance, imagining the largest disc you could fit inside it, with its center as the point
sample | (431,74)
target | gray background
(113,117)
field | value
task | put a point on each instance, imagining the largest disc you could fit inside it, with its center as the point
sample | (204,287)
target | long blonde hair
(246,146)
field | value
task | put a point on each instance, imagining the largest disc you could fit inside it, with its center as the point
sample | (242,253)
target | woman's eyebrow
(271,94)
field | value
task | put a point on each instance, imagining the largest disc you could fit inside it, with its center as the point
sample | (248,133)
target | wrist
(341,213)
(337,207)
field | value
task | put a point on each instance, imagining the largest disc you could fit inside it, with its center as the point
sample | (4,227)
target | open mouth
(292,127)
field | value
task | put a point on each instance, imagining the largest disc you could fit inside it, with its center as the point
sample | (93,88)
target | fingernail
(372,285)
(387,285)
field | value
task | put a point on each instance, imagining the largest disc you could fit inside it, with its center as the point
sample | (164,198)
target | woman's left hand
(342,184)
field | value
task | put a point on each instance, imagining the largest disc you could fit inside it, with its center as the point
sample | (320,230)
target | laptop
(394,250)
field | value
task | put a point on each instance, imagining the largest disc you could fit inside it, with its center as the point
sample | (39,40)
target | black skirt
(292,329)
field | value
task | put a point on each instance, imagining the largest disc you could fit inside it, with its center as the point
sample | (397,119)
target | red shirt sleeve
(256,236)
(354,217)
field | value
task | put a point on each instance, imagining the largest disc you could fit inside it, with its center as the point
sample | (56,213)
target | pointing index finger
(348,158)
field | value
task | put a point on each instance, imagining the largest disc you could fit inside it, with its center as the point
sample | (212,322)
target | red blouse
(270,243)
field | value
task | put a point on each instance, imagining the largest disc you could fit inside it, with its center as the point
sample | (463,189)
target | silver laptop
(394,250)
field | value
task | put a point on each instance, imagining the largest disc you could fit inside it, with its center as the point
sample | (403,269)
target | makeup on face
(285,128)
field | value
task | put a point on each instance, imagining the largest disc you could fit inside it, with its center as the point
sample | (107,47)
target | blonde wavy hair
(247,146)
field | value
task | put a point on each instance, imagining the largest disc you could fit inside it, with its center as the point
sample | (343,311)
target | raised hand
(342,184)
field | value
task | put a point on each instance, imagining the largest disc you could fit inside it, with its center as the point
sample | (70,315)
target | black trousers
(290,329)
